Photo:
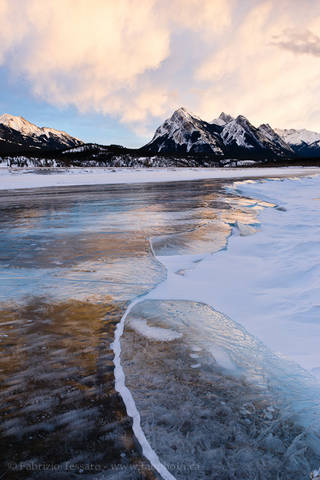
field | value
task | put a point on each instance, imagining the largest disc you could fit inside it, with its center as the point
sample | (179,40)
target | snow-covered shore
(267,279)
(32,178)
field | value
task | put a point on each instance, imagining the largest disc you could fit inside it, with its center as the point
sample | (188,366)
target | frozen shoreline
(201,283)
(266,279)
(22,178)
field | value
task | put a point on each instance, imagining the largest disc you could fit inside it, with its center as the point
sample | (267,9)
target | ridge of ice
(129,402)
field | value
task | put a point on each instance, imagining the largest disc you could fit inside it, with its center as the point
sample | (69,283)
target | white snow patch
(222,358)
(153,333)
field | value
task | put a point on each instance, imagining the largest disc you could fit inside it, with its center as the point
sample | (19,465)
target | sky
(111,71)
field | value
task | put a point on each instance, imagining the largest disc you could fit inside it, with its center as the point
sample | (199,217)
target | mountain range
(231,137)
(183,136)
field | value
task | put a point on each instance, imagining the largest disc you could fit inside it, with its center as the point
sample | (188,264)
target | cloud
(89,54)
(255,75)
(100,55)
(138,60)
(206,17)
(299,42)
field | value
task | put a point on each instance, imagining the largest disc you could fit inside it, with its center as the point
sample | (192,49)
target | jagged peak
(226,117)
(265,125)
(182,110)
(184,114)
(241,118)
(223,119)
(243,122)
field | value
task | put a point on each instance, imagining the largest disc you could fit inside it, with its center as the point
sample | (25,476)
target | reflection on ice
(70,260)
(209,238)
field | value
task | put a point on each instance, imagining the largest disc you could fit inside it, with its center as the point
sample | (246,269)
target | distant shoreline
(27,178)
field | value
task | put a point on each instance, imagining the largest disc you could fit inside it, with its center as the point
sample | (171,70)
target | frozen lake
(219,351)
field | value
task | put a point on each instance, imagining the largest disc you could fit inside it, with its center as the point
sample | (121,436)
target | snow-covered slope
(23,134)
(185,133)
(304,142)
(20,124)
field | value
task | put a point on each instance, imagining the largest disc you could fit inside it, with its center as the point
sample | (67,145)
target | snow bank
(32,178)
(268,281)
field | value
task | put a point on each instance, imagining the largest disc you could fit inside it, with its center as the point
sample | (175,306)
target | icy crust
(85,281)
(225,411)
(269,282)
(236,350)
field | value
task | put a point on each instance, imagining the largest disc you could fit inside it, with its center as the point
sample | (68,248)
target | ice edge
(127,397)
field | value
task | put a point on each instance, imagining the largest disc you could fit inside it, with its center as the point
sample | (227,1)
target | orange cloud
(126,58)
(89,54)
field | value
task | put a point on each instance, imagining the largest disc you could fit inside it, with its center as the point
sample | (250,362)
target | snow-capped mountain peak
(27,128)
(182,115)
(33,136)
(296,137)
(181,111)
(304,143)
(184,132)
(223,119)
(20,124)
